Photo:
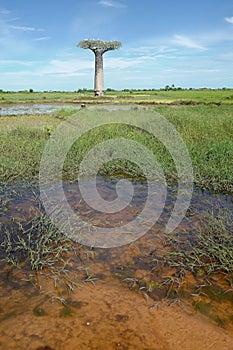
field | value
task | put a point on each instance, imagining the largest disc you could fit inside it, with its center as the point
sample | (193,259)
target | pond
(125,300)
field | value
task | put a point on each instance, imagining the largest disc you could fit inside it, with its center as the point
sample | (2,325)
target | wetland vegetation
(203,118)
(153,96)
(206,130)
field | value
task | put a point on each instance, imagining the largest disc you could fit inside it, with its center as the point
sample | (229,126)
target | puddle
(20,109)
(37,109)
(126,308)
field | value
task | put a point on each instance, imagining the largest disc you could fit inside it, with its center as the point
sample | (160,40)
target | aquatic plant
(206,250)
(38,248)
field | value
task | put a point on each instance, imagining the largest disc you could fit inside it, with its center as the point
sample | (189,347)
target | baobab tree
(99,47)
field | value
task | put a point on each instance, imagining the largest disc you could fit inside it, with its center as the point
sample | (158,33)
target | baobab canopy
(99,47)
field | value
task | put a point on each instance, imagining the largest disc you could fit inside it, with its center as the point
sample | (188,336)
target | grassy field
(207,131)
(218,96)
(204,119)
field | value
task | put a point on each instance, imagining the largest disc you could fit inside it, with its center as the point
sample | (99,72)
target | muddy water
(116,312)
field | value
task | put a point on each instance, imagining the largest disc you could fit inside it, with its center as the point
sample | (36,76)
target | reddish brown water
(115,313)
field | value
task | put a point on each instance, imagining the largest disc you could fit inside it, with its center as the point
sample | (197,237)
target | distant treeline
(84,90)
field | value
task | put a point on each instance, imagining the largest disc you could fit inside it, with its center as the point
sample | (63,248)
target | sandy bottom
(107,316)
(104,316)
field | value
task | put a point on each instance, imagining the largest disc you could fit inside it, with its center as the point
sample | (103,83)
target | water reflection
(20,109)
(22,201)
(45,108)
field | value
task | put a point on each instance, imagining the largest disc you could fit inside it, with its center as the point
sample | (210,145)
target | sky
(185,43)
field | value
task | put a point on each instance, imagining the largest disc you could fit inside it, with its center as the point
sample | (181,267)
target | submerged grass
(204,251)
(192,268)
(36,244)
(36,247)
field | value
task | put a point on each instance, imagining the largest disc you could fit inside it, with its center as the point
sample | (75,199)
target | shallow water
(19,109)
(36,109)
(116,313)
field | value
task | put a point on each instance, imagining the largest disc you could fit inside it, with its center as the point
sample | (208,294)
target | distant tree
(99,47)
(110,90)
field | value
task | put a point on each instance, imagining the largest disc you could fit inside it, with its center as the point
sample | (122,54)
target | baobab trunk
(99,74)
(99,47)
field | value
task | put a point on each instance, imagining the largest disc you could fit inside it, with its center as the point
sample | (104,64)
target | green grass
(217,96)
(206,130)
(208,134)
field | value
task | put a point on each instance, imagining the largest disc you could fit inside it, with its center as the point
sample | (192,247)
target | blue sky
(186,43)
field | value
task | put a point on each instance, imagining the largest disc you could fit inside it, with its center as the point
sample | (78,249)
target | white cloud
(52,69)
(112,3)
(165,49)
(226,56)
(4,12)
(16,62)
(151,50)
(17,38)
(229,19)
(26,29)
(186,42)
(42,38)
(72,64)
(202,71)
(72,67)
(120,63)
